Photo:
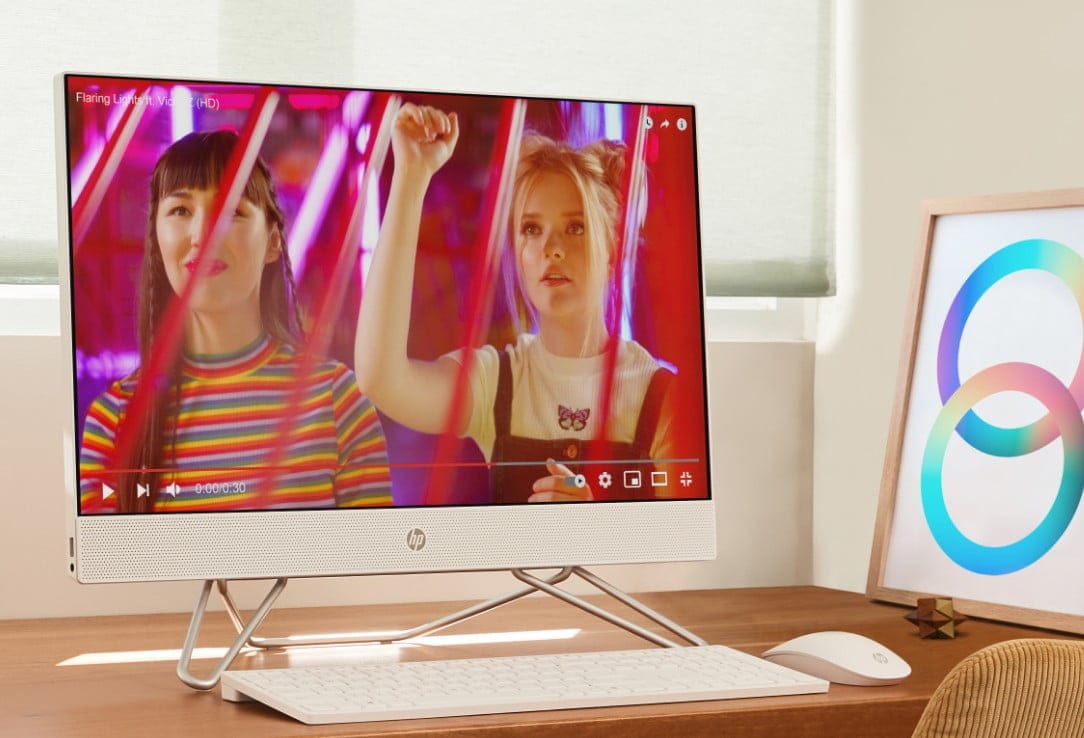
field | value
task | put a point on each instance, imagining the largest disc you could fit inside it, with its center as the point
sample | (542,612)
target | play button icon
(107,491)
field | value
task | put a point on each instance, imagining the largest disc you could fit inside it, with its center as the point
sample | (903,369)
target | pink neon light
(355,104)
(317,198)
(634,175)
(181,117)
(81,171)
(234,100)
(370,225)
(116,112)
(313,100)
(361,142)
(86,206)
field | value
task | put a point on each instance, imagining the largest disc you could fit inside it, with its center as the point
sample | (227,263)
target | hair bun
(610,156)
(532,143)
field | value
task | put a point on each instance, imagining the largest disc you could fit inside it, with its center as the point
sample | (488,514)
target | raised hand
(423,138)
(414,392)
(559,486)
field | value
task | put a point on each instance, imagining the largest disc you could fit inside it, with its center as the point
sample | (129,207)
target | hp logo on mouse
(880,658)
(415,539)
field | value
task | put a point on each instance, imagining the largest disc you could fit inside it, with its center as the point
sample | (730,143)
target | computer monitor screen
(287,299)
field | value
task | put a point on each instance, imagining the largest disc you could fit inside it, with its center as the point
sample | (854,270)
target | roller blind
(41,39)
(758,71)
(767,223)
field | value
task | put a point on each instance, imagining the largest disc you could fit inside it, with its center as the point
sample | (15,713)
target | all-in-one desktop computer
(326,332)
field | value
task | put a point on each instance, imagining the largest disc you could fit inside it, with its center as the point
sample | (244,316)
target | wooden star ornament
(935,617)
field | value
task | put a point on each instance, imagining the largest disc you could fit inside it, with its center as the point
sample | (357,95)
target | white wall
(940,99)
(761,416)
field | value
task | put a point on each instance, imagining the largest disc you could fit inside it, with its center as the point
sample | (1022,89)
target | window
(758,72)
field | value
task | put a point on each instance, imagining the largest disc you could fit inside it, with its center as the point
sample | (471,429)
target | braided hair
(196,161)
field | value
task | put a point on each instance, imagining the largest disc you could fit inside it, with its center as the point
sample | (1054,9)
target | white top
(557,396)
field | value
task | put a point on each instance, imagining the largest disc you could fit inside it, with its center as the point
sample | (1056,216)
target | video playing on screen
(302,298)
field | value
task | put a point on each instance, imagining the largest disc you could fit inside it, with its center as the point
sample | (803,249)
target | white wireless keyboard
(421,689)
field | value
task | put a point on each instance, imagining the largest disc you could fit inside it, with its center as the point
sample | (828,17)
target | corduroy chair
(1025,688)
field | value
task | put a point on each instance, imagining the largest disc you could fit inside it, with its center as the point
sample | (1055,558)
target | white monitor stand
(246,631)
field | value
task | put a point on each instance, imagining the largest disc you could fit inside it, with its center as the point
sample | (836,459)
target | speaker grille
(341,542)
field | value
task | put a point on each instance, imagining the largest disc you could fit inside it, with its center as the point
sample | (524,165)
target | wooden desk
(38,697)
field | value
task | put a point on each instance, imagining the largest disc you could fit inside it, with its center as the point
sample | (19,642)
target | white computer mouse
(844,658)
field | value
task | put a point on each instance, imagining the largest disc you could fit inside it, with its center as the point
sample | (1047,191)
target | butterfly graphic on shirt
(570,419)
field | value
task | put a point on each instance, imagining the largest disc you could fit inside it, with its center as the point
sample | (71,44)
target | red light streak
(484,281)
(170,334)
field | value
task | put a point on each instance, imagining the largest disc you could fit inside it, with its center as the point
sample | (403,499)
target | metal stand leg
(617,594)
(547,585)
(209,682)
(402,635)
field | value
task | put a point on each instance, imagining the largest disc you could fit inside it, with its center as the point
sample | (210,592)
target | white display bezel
(315,543)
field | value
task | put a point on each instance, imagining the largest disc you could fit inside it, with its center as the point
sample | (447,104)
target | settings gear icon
(605,480)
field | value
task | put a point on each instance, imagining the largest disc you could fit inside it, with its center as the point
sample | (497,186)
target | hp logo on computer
(415,539)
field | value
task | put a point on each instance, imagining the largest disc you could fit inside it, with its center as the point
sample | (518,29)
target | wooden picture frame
(977,502)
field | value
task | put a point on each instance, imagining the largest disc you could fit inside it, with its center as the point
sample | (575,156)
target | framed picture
(981,491)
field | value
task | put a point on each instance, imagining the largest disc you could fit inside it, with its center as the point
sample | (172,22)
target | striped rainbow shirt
(230,423)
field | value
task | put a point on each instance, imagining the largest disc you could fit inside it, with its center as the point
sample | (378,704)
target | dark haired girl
(216,420)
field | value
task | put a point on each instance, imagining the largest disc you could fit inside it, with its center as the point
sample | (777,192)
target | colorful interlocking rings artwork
(1062,420)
